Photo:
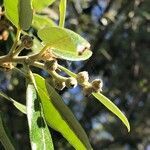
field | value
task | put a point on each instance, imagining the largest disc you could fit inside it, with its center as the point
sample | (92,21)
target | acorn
(59,85)
(97,85)
(51,65)
(27,41)
(71,82)
(82,77)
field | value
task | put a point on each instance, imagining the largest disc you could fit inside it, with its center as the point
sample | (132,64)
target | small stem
(18,50)
(70,73)
(54,74)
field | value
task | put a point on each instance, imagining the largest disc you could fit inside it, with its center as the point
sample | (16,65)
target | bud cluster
(69,83)
(88,88)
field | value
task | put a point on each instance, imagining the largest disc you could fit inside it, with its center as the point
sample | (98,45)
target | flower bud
(27,41)
(51,65)
(71,82)
(59,85)
(87,90)
(82,77)
(97,85)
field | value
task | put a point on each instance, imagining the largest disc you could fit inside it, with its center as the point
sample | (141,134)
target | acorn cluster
(82,79)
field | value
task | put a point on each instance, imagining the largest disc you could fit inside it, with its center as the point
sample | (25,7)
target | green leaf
(11,11)
(113,108)
(18,105)
(4,139)
(65,43)
(25,14)
(38,5)
(62,10)
(59,116)
(40,22)
(39,134)
(72,56)
(37,46)
(104,100)
(19,12)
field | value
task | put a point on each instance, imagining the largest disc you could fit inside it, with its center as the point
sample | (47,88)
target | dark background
(118,31)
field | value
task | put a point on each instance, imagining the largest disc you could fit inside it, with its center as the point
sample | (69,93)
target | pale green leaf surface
(65,43)
(39,133)
(37,46)
(11,11)
(40,22)
(72,56)
(38,5)
(113,108)
(25,14)
(64,120)
(62,11)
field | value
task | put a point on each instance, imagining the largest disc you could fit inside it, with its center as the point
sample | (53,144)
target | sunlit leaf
(25,14)
(38,5)
(40,22)
(11,11)
(37,46)
(39,134)
(113,108)
(104,100)
(59,116)
(4,138)
(62,10)
(19,12)
(65,43)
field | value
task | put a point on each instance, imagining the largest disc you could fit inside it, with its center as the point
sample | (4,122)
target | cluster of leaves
(44,106)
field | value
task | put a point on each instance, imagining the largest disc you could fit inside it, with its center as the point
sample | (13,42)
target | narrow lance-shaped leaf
(4,139)
(113,108)
(38,5)
(104,100)
(25,14)
(62,11)
(64,120)
(39,134)
(65,43)
(18,105)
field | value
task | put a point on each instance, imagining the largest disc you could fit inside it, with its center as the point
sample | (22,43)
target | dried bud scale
(97,85)
(71,82)
(27,41)
(48,55)
(7,66)
(82,77)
